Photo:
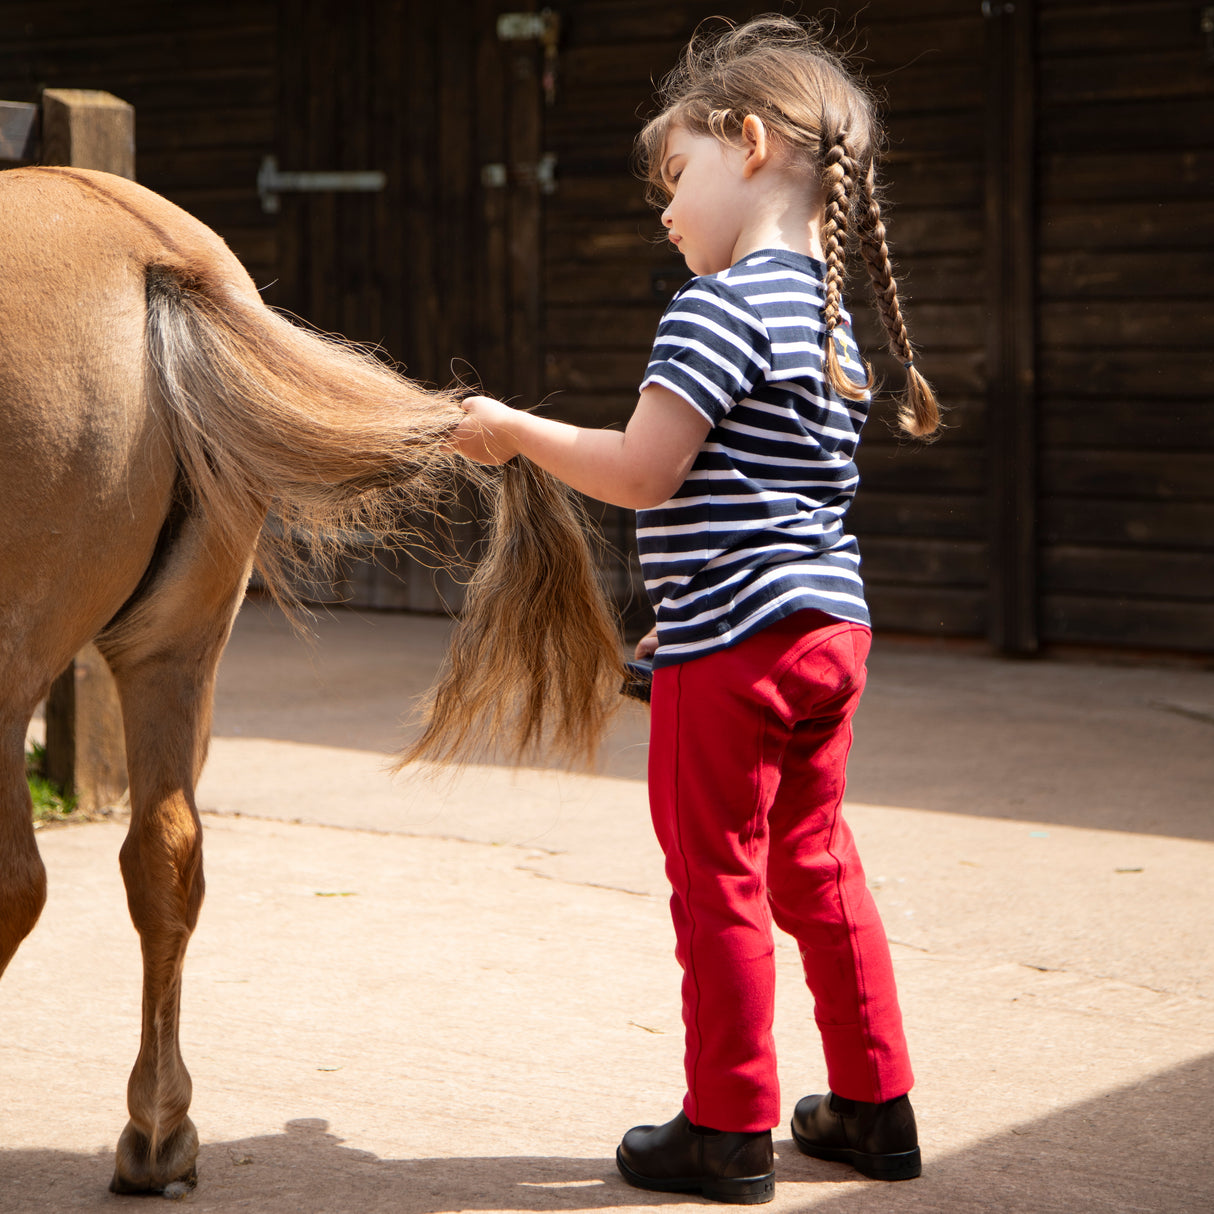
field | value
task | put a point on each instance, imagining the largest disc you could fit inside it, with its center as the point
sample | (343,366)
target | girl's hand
(485,433)
(638,468)
(647,646)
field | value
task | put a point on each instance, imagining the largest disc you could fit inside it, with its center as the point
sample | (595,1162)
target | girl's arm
(637,468)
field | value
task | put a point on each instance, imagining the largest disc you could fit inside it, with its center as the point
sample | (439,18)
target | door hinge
(271,182)
(542,174)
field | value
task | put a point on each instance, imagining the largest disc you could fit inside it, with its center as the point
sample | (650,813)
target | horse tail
(535,663)
(267,416)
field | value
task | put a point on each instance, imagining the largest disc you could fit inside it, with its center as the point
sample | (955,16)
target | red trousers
(748,750)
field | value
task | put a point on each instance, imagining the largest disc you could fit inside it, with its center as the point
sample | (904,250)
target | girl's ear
(755,145)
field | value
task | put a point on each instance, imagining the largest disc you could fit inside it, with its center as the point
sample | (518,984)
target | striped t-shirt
(755,532)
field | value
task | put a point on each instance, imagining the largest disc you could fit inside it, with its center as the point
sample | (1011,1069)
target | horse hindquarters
(151,410)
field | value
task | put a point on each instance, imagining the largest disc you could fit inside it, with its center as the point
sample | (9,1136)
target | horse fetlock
(140,1167)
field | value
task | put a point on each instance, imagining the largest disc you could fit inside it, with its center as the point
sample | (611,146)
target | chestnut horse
(153,412)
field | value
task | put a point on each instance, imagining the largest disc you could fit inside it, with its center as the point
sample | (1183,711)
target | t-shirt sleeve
(711,348)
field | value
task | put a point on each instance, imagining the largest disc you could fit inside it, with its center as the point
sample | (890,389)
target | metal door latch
(271,182)
(543,174)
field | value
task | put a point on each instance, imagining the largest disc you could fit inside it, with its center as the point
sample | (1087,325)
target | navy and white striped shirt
(755,532)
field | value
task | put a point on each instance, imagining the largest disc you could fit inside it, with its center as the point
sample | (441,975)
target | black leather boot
(879,1140)
(679,1157)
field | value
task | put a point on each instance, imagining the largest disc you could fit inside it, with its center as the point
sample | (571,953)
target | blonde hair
(780,70)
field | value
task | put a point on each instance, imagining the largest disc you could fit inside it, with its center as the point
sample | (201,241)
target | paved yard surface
(433,995)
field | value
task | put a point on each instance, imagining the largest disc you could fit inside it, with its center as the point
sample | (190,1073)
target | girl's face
(709,200)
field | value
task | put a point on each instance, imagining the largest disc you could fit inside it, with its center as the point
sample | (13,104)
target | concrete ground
(435,995)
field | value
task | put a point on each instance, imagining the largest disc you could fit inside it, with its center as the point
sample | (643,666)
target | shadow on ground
(1144,1147)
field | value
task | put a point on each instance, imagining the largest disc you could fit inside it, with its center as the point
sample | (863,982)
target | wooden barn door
(511,246)
(1058,299)
(438,266)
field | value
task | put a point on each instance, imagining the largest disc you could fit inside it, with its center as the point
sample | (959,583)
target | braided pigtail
(918,413)
(838,180)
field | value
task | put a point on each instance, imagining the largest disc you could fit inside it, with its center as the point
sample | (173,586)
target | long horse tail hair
(267,416)
(535,645)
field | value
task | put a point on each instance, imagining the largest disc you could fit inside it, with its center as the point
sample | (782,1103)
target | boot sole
(740,1191)
(901,1165)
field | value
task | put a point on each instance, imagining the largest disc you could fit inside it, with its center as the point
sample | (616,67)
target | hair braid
(918,414)
(838,179)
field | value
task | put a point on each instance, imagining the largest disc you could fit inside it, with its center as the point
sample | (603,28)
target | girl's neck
(789,215)
(810,245)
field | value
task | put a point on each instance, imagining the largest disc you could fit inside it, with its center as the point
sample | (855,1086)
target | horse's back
(86,468)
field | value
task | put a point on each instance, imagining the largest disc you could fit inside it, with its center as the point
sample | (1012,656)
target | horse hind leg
(164,652)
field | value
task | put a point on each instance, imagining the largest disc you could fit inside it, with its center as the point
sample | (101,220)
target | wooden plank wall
(1126,299)
(1124,175)
(201,78)
(921,514)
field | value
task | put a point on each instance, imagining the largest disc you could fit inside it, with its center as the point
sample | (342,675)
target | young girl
(739,459)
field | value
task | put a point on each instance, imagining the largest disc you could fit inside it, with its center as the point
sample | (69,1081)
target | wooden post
(1011,331)
(88,130)
(85,751)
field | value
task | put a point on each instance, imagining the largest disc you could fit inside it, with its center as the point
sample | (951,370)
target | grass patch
(50,804)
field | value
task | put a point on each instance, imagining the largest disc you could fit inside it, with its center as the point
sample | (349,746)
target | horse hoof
(171,1171)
